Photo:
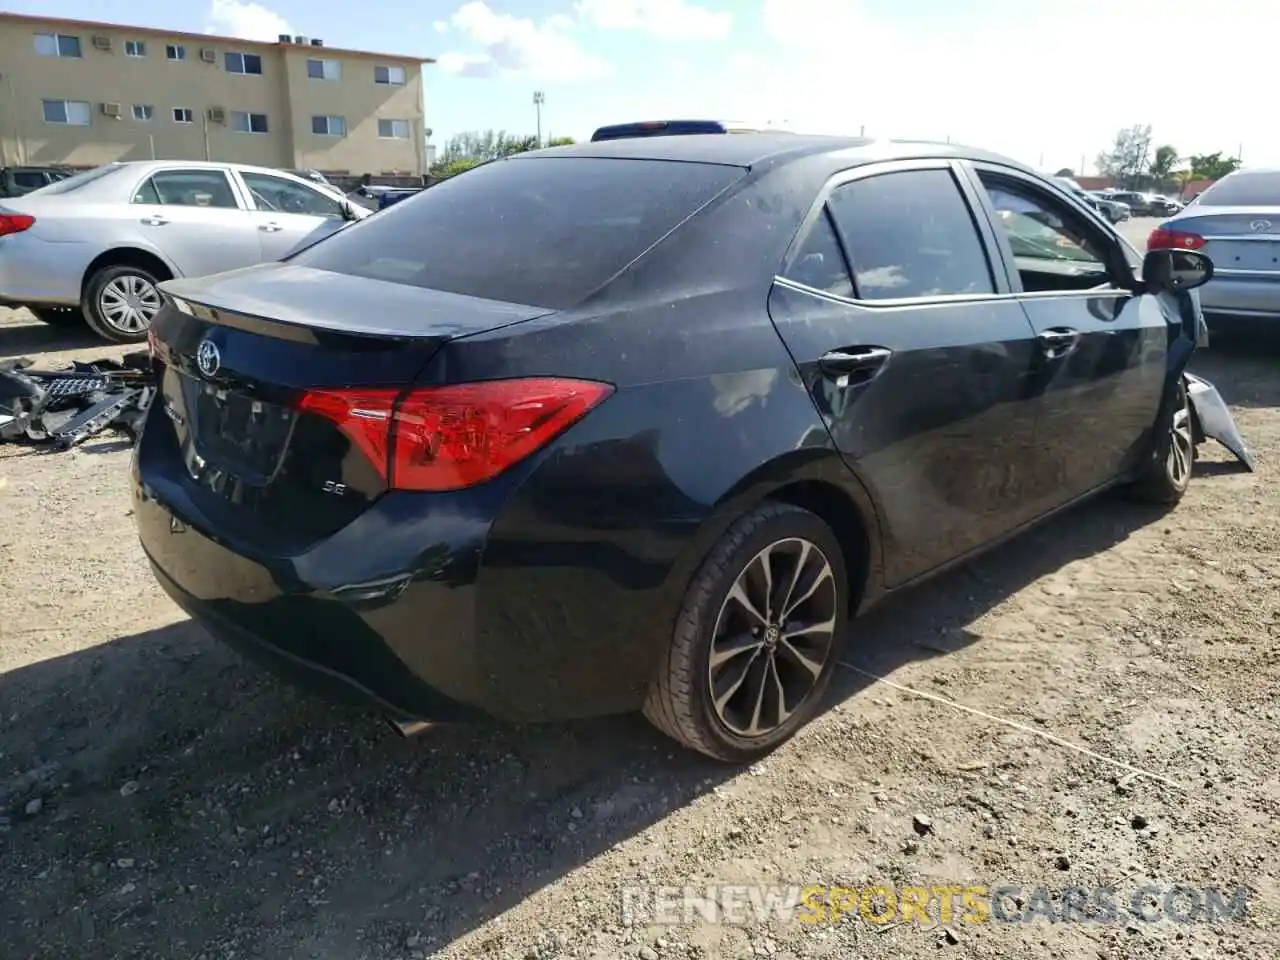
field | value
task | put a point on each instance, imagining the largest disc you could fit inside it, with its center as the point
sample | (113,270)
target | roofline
(32,19)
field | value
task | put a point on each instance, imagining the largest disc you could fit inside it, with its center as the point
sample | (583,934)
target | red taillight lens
(15,223)
(1162,239)
(448,438)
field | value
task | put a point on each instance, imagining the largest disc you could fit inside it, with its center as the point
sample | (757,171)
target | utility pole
(539,98)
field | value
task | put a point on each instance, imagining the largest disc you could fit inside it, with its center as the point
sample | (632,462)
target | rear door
(195,218)
(1101,352)
(915,354)
(288,214)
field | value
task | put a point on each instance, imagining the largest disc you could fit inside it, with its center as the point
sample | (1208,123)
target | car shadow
(229,795)
(20,339)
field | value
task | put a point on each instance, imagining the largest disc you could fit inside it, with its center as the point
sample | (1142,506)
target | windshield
(1261,189)
(543,231)
(78,180)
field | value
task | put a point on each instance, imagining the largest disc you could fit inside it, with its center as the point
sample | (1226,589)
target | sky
(1049,83)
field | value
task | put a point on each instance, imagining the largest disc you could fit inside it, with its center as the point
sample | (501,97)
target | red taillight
(15,223)
(447,438)
(1162,239)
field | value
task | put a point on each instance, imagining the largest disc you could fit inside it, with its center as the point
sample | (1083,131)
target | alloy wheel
(773,637)
(129,303)
(1181,447)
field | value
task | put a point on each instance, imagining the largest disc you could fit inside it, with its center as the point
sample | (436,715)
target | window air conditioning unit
(216,115)
(111,110)
(284,38)
(301,41)
(101,42)
(208,55)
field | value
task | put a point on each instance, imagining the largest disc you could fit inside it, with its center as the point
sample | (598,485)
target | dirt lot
(161,798)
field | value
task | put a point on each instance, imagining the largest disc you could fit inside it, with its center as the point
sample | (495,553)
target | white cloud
(517,46)
(245,19)
(1030,84)
(662,19)
(441,26)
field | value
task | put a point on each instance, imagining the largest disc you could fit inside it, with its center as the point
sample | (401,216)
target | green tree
(561,142)
(1127,161)
(1162,164)
(1212,166)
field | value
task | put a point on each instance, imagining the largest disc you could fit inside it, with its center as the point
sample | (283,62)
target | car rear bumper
(35,271)
(1245,297)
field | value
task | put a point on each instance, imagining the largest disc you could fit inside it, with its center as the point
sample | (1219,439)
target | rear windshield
(1244,190)
(78,180)
(540,231)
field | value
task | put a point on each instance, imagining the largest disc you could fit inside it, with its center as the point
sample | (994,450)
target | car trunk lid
(1236,238)
(245,355)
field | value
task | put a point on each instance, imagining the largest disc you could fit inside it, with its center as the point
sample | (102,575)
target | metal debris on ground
(63,408)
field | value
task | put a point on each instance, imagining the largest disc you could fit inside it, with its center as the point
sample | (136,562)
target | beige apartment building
(83,93)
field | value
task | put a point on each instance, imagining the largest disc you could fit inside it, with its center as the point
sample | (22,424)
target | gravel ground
(161,798)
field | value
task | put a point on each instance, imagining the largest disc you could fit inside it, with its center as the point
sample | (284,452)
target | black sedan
(639,424)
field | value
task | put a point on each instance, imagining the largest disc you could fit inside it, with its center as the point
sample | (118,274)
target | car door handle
(853,364)
(1058,341)
(154,221)
(270,228)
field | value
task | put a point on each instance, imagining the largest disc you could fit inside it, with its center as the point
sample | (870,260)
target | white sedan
(98,243)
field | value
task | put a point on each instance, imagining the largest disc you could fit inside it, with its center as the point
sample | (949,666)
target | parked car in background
(1236,223)
(102,240)
(638,425)
(18,181)
(1113,210)
(319,179)
(1162,206)
(671,128)
(1139,204)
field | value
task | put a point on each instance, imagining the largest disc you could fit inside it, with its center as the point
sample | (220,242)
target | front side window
(910,234)
(544,232)
(1052,247)
(73,113)
(187,188)
(143,111)
(329,126)
(57,45)
(245,122)
(278,195)
(819,263)
(135,48)
(393,76)
(175,51)
(243,63)
(393,129)
(324,70)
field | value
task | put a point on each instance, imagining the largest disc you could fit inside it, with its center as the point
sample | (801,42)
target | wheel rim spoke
(129,303)
(773,637)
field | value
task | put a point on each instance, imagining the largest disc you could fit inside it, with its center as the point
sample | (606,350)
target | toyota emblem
(1260,225)
(208,359)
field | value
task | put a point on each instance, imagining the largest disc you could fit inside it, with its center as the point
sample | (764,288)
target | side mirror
(1172,271)
(348,213)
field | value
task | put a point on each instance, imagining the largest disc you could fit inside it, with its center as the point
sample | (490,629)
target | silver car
(96,244)
(1236,223)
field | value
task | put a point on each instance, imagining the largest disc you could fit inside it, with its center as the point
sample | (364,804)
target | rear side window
(30,179)
(910,234)
(819,263)
(543,232)
(1244,190)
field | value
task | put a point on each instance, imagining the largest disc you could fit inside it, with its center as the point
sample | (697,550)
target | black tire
(92,305)
(61,317)
(680,700)
(1168,474)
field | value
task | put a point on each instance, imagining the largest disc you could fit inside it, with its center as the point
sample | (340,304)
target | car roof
(756,149)
(144,165)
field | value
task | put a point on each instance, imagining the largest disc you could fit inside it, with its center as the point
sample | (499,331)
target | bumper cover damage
(1215,420)
(63,408)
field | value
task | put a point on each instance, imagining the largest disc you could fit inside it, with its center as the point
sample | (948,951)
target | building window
(243,63)
(329,126)
(324,69)
(393,129)
(244,122)
(143,111)
(135,48)
(394,76)
(183,115)
(57,45)
(73,113)
(175,51)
